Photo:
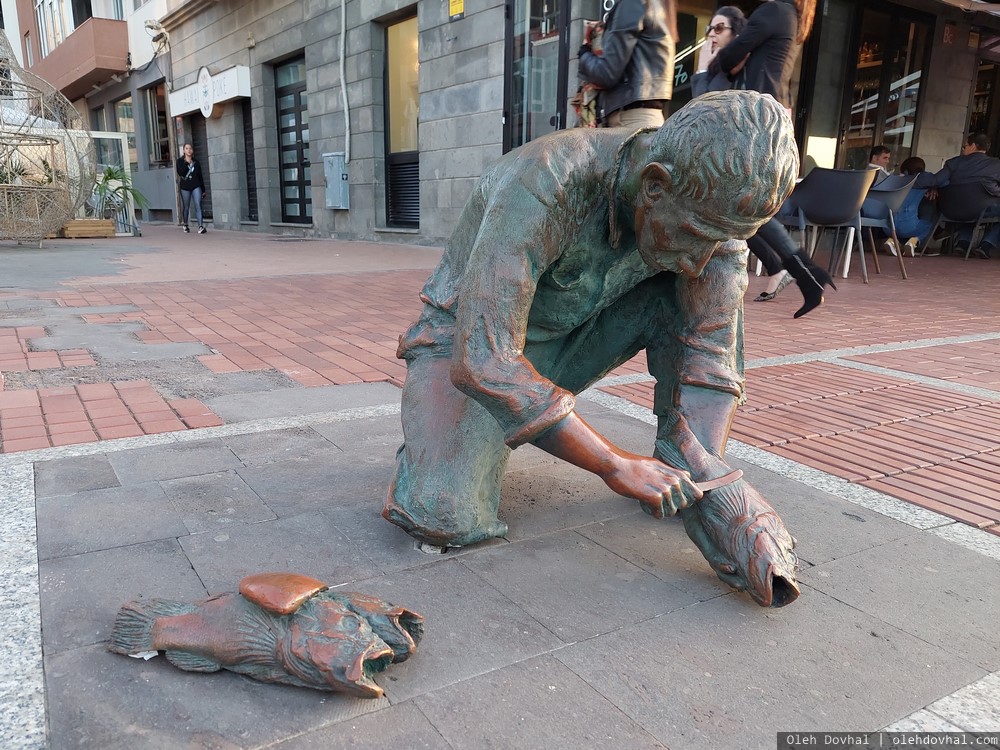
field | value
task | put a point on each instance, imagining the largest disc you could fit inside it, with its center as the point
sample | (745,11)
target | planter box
(88,228)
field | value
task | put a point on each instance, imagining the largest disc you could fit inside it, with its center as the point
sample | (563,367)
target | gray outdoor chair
(832,198)
(964,204)
(877,212)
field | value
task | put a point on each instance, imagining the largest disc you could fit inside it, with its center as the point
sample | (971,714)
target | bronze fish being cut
(280,627)
(746,542)
(740,534)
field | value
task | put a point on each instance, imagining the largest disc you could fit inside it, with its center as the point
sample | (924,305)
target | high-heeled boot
(810,278)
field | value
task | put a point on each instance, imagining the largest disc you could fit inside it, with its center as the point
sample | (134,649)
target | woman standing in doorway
(192,186)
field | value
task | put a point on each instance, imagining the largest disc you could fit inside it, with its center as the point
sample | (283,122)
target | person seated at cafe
(973,165)
(916,217)
(879,158)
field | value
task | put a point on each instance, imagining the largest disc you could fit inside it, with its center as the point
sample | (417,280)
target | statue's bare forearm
(662,489)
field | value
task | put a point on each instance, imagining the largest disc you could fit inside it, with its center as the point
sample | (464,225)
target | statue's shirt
(531,262)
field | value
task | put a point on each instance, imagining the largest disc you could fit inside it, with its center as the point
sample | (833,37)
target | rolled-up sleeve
(495,297)
(711,325)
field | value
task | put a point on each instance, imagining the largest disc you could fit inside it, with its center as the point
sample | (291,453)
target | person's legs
(196,195)
(777,277)
(185,206)
(810,278)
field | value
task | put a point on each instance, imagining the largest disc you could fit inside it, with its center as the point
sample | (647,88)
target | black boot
(810,279)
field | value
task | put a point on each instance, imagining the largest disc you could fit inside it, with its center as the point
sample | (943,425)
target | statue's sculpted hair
(734,153)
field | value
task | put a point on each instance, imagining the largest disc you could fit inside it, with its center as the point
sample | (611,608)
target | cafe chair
(828,199)
(963,204)
(884,199)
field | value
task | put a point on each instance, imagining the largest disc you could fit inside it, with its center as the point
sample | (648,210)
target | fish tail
(133,629)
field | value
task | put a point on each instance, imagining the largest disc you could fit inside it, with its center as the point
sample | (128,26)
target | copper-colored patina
(280,627)
(575,252)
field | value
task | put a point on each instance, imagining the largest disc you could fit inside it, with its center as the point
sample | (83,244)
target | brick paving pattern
(903,427)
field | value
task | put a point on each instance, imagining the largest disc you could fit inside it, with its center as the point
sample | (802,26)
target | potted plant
(111,197)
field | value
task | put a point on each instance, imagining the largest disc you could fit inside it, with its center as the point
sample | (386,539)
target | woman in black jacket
(772,38)
(726,25)
(635,70)
(192,185)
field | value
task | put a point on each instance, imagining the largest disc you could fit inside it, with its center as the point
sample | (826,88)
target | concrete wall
(949,92)
(461,103)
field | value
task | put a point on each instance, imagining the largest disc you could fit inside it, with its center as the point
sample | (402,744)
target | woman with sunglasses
(726,25)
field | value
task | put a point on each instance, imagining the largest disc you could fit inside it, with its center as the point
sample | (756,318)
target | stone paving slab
(106,700)
(215,502)
(102,519)
(308,543)
(291,401)
(81,594)
(68,476)
(400,726)
(925,587)
(618,612)
(726,674)
(478,628)
(534,705)
(172,461)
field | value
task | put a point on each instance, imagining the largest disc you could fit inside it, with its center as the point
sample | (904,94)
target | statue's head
(718,168)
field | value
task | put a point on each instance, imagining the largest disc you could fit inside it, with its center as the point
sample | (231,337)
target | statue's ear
(655,181)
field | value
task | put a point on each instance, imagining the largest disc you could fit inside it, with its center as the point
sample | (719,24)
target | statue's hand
(661,489)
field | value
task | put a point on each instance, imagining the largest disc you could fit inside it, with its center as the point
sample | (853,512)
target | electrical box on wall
(338,187)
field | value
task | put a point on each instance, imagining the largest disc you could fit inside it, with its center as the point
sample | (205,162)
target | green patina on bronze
(574,253)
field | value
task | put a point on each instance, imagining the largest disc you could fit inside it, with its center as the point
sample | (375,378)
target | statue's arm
(711,366)
(519,238)
(661,489)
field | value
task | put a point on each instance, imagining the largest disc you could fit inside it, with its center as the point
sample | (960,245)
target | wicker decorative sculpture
(46,154)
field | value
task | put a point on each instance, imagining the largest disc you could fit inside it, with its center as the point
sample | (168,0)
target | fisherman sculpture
(575,252)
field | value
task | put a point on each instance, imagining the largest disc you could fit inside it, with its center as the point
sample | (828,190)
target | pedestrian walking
(192,186)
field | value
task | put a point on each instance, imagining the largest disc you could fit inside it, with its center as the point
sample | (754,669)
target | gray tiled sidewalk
(591,626)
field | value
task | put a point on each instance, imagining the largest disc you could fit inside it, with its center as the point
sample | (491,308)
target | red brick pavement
(929,445)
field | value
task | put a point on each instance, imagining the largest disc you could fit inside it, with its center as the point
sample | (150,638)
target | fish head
(401,628)
(332,648)
(746,543)
(770,562)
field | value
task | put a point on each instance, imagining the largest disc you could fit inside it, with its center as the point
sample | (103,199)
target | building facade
(372,119)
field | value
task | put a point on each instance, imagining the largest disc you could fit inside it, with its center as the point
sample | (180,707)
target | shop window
(537,70)
(125,123)
(402,97)
(293,141)
(892,53)
(157,134)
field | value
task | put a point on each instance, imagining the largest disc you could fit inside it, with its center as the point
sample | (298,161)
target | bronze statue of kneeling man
(575,252)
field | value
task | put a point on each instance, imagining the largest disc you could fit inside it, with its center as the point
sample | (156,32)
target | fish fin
(669,453)
(133,628)
(191,662)
(280,593)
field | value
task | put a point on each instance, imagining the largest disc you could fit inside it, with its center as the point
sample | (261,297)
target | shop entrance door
(537,68)
(892,47)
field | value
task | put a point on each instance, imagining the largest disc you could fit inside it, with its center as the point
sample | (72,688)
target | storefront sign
(210,90)
(456,9)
